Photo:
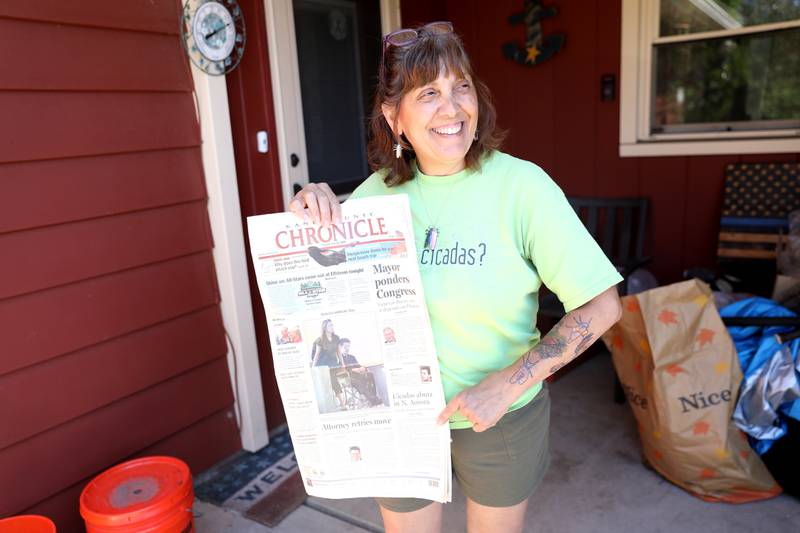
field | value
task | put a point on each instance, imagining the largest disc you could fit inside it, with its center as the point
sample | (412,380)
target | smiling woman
(430,103)
(490,229)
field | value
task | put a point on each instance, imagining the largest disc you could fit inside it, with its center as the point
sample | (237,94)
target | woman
(325,352)
(325,348)
(434,138)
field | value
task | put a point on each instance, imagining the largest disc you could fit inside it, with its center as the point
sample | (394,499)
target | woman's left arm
(485,403)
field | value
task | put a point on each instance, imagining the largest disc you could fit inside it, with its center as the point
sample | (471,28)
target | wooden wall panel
(664,182)
(575,97)
(768,158)
(52,125)
(613,175)
(529,118)
(111,336)
(33,194)
(159,16)
(119,367)
(62,508)
(89,443)
(217,432)
(704,190)
(50,323)
(80,59)
(415,13)
(90,248)
(530,122)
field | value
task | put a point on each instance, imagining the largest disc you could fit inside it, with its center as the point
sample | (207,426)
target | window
(710,77)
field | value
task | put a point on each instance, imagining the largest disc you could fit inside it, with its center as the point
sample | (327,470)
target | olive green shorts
(501,466)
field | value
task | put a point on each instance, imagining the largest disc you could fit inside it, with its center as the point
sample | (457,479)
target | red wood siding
(111,336)
(555,118)
(98,186)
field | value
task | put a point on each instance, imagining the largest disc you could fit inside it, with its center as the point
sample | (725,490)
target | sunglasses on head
(407,36)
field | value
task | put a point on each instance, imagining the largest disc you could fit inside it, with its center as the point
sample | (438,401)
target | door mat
(282,500)
(268,479)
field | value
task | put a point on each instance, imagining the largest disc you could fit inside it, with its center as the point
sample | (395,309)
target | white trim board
(286,98)
(229,256)
(739,146)
(390,16)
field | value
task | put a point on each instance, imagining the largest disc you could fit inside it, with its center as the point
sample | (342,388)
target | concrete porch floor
(596,483)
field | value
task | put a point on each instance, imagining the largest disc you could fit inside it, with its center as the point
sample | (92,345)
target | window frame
(639,34)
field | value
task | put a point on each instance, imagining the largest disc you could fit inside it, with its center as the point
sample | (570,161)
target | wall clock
(213,34)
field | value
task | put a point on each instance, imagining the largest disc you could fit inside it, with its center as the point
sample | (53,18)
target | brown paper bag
(681,375)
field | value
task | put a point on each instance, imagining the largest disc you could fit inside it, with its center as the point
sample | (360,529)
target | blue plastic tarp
(770,388)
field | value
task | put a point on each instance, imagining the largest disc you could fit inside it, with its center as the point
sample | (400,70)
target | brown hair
(325,343)
(414,65)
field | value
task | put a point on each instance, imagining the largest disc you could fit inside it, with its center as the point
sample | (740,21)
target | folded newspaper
(353,351)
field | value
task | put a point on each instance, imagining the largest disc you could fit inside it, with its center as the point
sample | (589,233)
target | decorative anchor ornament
(537,49)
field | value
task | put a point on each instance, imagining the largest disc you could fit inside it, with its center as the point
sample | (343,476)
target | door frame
(287,101)
(230,257)
(224,206)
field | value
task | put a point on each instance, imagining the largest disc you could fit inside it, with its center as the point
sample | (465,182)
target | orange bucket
(27,524)
(148,495)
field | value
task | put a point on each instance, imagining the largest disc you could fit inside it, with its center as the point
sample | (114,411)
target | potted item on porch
(27,524)
(680,372)
(151,494)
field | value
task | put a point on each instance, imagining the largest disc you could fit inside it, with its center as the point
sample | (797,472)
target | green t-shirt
(503,231)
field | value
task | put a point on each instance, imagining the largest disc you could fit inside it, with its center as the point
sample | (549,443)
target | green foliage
(744,78)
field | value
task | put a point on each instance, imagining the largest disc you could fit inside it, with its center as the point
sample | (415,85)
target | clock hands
(213,33)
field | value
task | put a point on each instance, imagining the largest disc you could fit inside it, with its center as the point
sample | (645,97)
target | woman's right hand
(317,202)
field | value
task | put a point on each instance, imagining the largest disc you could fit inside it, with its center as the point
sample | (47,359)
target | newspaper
(353,351)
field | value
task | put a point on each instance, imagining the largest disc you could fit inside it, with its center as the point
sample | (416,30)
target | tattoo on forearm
(580,331)
(558,367)
(529,360)
(554,345)
(585,342)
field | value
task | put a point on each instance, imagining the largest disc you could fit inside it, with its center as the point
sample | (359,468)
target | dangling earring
(398,151)
(476,135)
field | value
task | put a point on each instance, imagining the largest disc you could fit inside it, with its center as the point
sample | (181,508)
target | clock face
(213,34)
(213,31)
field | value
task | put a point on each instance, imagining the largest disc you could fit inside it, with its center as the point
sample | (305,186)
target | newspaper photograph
(353,351)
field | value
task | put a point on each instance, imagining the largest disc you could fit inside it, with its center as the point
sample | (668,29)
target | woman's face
(329,328)
(439,120)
